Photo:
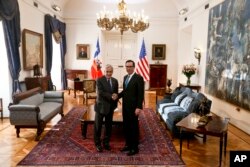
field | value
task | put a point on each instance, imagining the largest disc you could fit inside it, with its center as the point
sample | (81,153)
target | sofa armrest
(177,116)
(53,96)
(23,107)
(21,114)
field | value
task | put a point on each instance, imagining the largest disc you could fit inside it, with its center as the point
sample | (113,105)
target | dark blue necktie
(110,85)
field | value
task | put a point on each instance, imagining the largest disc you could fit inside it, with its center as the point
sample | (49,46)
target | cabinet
(33,82)
(158,78)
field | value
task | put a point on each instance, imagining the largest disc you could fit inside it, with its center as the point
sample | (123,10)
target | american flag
(96,71)
(142,65)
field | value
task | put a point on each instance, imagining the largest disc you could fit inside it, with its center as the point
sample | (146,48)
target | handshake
(114,96)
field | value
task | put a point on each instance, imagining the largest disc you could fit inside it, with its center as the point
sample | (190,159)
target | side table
(217,127)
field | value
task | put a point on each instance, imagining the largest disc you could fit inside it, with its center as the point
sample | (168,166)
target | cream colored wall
(86,32)
(199,23)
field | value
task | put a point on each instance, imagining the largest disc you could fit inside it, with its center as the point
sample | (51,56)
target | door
(119,49)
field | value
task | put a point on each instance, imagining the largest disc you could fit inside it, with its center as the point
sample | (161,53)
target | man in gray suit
(106,103)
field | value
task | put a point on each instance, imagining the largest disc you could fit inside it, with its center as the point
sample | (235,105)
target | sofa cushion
(186,102)
(35,99)
(49,110)
(176,92)
(179,98)
(169,109)
(164,105)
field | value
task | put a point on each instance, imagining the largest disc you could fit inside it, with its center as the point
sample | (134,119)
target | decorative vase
(169,83)
(188,80)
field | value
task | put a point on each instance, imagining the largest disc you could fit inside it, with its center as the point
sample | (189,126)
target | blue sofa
(183,101)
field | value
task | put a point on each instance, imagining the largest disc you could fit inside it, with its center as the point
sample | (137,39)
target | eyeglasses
(129,66)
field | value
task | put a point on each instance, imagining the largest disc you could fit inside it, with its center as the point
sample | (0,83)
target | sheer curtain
(10,15)
(56,66)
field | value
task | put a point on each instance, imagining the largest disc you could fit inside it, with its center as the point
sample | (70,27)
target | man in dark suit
(132,103)
(105,105)
(82,53)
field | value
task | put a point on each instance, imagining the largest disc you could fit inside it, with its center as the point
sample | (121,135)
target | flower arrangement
(189,70)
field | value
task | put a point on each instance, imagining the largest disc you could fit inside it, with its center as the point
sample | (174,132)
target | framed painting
(32,43)
(82,51)
(228,60)
(158,52)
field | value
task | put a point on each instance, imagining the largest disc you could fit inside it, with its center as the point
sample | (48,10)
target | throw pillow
(179,98)
(176,92)
(186,102)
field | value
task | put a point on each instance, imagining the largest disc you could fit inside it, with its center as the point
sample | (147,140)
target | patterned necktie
(127,81)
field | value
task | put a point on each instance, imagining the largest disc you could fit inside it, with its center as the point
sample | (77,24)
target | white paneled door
(119,49)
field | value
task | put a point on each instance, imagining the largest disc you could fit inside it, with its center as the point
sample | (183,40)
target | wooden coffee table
(217,127)
(89,118)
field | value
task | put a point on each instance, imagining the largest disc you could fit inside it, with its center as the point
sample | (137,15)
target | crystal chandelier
(122,20)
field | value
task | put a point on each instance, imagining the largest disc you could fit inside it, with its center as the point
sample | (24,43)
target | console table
(191,86)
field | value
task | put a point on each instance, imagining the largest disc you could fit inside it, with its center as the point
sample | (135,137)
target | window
(6,86)
(56,66)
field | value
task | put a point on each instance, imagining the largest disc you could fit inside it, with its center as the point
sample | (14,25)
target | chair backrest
(89,85)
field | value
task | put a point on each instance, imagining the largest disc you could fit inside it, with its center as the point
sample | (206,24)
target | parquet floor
(199,154)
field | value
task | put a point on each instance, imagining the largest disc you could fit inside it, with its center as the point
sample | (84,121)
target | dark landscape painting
(228,52)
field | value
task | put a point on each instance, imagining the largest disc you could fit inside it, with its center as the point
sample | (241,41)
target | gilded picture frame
(32,45)
(158,52)
(82,51)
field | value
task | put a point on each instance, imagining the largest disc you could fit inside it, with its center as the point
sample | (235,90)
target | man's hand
(137,111)
(114,96)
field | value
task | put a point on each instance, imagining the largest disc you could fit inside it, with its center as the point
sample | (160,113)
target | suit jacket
(104,103)
(133,94)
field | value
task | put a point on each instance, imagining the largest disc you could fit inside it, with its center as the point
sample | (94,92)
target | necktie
(110,85)
(127,81)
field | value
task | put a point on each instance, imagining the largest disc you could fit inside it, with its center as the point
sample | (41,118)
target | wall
(85,31)
(199,22)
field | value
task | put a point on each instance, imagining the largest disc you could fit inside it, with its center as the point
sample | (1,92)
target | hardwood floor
(13,149)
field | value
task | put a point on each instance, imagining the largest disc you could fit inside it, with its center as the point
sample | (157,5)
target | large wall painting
(228,52)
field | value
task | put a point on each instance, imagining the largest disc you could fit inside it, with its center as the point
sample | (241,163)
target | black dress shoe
(132,152)
(125,148)
(99,148)
(107,147)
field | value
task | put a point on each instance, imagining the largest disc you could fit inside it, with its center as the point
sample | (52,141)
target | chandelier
(122,20)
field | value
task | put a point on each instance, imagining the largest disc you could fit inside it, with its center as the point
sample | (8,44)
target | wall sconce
(197,54)
(56,8)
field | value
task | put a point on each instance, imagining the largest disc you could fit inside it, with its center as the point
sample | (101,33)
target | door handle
(120,66)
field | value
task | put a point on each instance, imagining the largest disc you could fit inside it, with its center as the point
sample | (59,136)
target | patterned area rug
(63,145)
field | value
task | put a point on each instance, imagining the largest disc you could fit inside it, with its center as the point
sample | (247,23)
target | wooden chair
(1,108)
(89,89)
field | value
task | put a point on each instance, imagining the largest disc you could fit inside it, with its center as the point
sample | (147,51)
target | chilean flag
(96,71)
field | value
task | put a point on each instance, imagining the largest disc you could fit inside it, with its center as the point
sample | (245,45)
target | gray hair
(109,66)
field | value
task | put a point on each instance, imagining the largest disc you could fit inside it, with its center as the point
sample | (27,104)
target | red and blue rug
(63,145)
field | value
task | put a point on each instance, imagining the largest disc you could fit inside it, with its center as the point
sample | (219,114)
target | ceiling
(152,8)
